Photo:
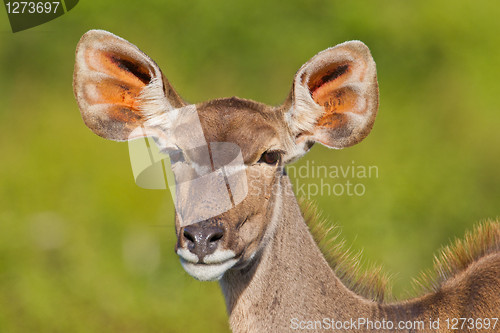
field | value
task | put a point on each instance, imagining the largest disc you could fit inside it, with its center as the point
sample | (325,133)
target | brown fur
(371,283)
(453,259)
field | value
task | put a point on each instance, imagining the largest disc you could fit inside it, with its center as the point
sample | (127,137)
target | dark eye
(270,157)
(176,156)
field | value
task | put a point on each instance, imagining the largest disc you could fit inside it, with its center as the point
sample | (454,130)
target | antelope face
(122,95)
(210,247)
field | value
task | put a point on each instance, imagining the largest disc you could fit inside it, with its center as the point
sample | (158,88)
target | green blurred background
(83,249)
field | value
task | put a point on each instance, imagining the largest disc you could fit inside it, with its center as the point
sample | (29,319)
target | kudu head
(123,95)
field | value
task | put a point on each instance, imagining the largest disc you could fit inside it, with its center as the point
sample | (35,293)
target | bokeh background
(83,249)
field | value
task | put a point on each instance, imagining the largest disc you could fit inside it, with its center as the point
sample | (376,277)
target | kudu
(272,273)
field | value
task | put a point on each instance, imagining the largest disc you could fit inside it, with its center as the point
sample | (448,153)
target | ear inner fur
(335,97)
(335,73)
(118,87)
(335,103)
(118,66)
(110,91)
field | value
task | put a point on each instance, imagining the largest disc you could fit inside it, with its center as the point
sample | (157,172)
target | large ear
(334,99)
(118,87)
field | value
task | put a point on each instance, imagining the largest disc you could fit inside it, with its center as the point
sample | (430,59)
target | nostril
(201,238)
(188,236)
(215,237)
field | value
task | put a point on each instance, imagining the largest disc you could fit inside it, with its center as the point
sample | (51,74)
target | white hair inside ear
(334,98)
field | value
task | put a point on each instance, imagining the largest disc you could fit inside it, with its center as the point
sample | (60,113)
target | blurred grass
(84,249)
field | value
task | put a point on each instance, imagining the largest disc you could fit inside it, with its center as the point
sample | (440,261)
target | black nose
(202,238)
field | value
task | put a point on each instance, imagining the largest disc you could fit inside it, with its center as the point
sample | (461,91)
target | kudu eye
(270,157)
(176,156)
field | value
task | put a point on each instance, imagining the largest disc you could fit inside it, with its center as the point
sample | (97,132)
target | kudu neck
(289,279)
